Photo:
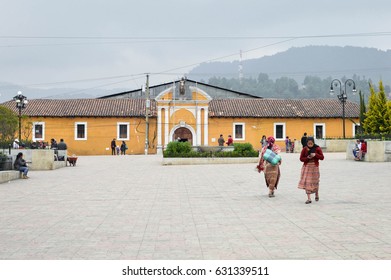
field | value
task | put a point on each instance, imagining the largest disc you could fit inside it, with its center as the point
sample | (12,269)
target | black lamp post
(342,95)
(21,103)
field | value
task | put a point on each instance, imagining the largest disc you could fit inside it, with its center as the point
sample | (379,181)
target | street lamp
(342,95)
(21,103)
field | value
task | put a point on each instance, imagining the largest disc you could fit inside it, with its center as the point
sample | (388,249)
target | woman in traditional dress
(309,179)
(272,172)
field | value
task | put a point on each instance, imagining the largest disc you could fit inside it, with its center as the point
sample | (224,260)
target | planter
(193,161)
(6,164)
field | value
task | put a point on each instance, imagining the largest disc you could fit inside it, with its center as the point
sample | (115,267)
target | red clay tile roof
(84,107)
(282,108)
(261,108)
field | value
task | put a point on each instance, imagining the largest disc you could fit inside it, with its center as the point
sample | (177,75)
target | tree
(362,110)
(27,128)
(377,119)
(8,125)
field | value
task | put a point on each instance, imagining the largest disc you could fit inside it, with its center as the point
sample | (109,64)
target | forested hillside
(301,72)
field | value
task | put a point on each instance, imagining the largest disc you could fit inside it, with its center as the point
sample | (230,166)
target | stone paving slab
(132,207)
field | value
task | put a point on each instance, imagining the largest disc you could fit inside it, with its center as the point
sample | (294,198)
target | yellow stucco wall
(100,132)
(294,128)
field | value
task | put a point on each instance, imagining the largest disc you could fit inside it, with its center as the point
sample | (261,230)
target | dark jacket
(62,146)
(318,155)
(304,141)
(19,162)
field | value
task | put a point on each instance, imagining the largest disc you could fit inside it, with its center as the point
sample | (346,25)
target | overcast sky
(49,43)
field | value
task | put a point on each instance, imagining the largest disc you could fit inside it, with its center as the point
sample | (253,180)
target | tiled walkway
(132,207)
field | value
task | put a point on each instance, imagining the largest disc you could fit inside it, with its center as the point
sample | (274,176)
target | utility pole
(240,68)
(147,107)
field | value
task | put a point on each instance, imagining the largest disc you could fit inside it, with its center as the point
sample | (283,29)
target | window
(356,129)
(319,130)
(38,131)
(239,131)
(123,131)
(81,131)
(279,131)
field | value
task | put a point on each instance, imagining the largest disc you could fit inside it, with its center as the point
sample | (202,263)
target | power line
(368,34)
(168,72)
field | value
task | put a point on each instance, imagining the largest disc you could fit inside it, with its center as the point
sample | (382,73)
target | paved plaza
(132,207)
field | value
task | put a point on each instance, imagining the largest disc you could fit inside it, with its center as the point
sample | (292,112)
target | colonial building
(185,111)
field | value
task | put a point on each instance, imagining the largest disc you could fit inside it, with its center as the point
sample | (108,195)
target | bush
(374,136)
(177,149)
(245,150)
(184,149)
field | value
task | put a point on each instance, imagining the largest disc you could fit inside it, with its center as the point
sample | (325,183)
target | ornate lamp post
(21,103)
(342,95)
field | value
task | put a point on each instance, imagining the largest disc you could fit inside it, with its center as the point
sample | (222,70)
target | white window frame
(324,130)
(243,130)
(283,131)
(85,130)
(43,131)
(354,128)
(127,130)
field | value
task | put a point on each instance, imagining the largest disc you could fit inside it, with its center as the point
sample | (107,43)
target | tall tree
(362,110)
(377,119)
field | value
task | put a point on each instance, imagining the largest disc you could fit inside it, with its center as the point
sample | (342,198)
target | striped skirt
(272,175)
(309,179)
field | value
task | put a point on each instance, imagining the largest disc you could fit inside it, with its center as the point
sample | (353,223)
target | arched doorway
(183,134)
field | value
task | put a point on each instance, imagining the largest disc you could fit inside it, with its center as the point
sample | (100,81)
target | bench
(8,175)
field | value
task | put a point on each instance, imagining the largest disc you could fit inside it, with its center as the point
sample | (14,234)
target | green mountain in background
(310,69)
(296,63)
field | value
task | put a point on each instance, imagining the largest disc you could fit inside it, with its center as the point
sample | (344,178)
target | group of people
(229,142)
(360,149)
(310,155)
(20,163)
(117,150)
(289,145)
(58,146)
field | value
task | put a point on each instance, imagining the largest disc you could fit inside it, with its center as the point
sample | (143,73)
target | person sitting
(62,146)
(363,150)
(356,149)
(21,165)
(53,144)
(15,144)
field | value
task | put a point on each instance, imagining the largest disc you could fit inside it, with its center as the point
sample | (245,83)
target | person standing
(21,165)
(304,140)
(263,141)
(230,141)
(272,172)
(124,147)
(221,140)
(287,144)
(113,147)
(309,179)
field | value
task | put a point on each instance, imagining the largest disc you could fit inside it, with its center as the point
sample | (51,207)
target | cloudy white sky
(113,43)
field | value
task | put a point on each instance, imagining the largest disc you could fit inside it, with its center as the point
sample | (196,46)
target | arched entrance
(183,134)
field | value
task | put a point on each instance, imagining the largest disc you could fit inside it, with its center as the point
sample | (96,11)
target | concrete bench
(8,175)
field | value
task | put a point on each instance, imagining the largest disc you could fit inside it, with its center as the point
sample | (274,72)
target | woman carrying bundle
(269,162)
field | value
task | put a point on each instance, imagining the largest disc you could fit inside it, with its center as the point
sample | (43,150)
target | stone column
(166,127)
(198,131)
(206,126)
(159,147)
